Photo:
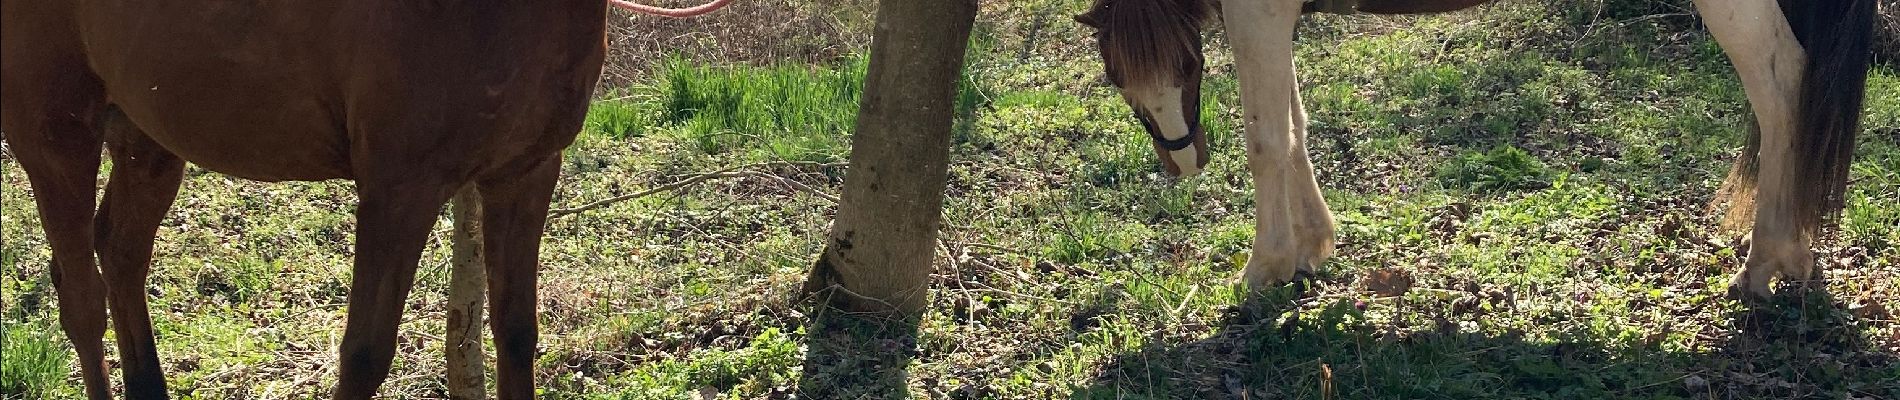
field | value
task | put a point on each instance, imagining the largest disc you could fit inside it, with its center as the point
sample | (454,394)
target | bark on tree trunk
(882,243)
(467,282)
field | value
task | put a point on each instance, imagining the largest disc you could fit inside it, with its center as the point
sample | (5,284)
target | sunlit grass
(1540,181)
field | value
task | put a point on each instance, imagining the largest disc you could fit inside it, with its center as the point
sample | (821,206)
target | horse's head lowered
(1152,52)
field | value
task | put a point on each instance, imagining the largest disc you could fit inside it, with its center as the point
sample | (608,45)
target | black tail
(1838,35)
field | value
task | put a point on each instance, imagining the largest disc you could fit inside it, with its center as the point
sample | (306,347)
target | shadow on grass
(1794,346)
(857,356)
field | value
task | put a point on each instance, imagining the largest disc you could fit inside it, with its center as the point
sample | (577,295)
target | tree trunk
(467,282)
(882,244)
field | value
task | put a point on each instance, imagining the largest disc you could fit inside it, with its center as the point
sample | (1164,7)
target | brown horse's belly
(241,90)
(263,161)
(269,142)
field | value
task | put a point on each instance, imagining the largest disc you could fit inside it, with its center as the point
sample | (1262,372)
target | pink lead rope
(670,12)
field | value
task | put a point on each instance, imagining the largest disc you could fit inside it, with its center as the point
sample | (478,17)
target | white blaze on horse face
(1163,106)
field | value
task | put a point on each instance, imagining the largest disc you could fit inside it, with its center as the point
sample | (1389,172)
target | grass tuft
(36,362)
(1503,168)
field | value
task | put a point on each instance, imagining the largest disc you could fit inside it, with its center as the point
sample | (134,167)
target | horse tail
(1737,193)
(1838,38)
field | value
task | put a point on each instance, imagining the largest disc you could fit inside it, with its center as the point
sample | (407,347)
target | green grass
(785,112)
(35,362)
(797,113)
(1538,170)
(1502,168)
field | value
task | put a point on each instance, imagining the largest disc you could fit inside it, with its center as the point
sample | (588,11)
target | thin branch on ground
(1178,309)
(992,247)
(731,172)
(986,288)
(830,294)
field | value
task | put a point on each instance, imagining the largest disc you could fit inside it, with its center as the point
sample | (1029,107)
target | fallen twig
(560,212)
(1184,301)
(993,247)
(731,172)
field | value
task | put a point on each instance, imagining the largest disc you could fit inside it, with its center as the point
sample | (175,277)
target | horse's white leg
(1261,32)
(1312,221)
(1760,43)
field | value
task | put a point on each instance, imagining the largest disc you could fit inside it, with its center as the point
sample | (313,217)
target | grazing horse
(411,99)
(1803,64)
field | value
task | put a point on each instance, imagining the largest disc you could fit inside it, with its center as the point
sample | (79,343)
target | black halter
(1194,131)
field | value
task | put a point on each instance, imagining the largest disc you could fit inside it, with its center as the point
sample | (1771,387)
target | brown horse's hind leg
(48,105)
(61,159)
(514,208)
(393,222)
(144,182)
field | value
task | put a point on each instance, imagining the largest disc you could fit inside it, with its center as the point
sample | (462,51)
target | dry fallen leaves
(1389,282)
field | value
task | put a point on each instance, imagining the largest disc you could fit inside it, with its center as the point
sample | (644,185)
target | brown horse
(411,99)
(1803,64)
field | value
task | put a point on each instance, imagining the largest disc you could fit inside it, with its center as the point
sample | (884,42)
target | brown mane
(1145,40)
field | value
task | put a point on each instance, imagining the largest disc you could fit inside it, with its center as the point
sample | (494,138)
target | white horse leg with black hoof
(1261,33)
(1758,40)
